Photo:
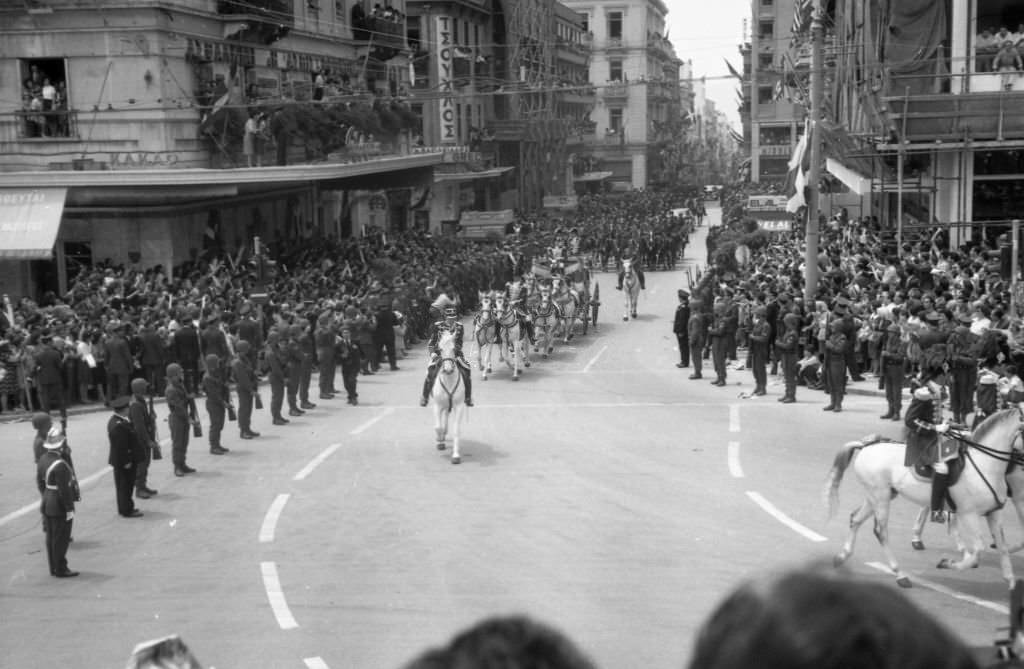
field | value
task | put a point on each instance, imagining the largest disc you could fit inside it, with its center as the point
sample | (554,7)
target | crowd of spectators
(44,105)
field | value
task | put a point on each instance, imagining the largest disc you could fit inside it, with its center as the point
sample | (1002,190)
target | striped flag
(796,179)
(802,13)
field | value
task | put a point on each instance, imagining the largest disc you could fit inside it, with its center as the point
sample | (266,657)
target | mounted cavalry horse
(513,347)
(631,286)
(448,397)
(977,487)
(485,333)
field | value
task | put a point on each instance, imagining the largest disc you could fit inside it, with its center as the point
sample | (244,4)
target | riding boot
(530,333)
(940,483)
(469,386)
(619,287)
(428,384)
(640,276)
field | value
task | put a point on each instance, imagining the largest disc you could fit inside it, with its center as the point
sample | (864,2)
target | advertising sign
(766,203)
(445,57)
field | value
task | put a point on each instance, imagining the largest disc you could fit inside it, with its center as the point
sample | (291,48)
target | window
(44,98)
(615,25)
(412,32)
(764,61)
(767,3)
(765,95)
(455,31)
(615,70)
(586,22)
(999,22)
(615,121)
(766,30)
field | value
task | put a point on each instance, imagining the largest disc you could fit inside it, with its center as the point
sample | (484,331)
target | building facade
(636,73)
(131,133)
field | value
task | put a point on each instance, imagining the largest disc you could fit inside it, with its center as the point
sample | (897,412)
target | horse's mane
(986,426)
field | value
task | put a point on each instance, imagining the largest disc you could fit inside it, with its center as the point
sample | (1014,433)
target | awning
(593,176)
(29,221)
(471,176)
(858,183)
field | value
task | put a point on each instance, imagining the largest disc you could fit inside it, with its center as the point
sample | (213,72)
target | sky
(708,32)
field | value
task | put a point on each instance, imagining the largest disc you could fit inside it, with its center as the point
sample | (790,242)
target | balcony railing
(616,90)
(39,125)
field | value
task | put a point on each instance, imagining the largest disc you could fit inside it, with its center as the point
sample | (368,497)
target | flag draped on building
(796,178)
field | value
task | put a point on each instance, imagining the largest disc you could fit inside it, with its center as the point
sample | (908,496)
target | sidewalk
(868,387)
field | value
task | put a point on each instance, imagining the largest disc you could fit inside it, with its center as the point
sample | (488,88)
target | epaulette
(924,393)
(987,378)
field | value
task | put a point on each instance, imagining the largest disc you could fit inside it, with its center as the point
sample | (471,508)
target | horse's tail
(835,475)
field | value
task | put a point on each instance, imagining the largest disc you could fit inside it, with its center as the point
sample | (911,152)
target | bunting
(732,70)
(803,11)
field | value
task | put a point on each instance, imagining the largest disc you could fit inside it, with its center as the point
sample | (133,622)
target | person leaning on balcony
(1008,63)
(252,129)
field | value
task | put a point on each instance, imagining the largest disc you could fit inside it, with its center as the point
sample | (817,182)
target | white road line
(270,520)
(316,462)
(593,360)
(372,421)
(770,509)
(734,417)
(734,460)
(275,596)
(941,589)
(315,663)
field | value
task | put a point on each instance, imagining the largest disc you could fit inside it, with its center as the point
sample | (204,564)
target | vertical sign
(446,103)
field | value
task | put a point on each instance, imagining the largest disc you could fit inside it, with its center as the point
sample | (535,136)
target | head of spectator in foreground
(510,642)
(819,618)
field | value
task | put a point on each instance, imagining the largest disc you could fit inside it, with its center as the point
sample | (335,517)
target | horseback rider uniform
(924,425)
(449,324)
(518,303)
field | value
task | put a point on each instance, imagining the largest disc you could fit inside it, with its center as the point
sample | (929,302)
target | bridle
(1014,456)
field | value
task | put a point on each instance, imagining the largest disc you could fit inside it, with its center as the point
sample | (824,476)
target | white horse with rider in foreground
(448,396)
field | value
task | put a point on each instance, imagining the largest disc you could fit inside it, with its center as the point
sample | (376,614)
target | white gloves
(942,428)
(70,515)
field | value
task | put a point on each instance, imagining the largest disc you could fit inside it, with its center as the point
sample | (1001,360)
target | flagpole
(814,172)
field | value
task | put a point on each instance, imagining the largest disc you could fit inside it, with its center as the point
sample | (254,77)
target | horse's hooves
(456,460)
(944,563)
(918,545)
(625,318)
(440,445)
(903,582)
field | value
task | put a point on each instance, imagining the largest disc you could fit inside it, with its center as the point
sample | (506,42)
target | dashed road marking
(949,592)
(372,421)
(734,460)
(772,511)
(270,520)
(593,361)
(315,663)
(272,584)
(316,462)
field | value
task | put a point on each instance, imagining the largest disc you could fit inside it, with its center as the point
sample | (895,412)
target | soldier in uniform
(125,455)
(987,391)
(786,350)
(696,331)
(186,350)
(55,479)
(679,328)
(325,343)
(307,349)
(717,333)
(759,346)
(894,366)
(449,324)
(246,385)
(218,397)
(960,348)
(144,423)
(277,371)
(350,355)
(42,424)
(178,417)
(924,425)
(835,366)
(249,330)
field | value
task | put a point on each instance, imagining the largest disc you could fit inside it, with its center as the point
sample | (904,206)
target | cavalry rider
(449,323)
(925,425)
(518,303)
(631,252)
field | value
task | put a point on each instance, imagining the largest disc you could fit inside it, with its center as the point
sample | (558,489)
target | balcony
(954,108)
(613,44)
(385,37)
(615,90)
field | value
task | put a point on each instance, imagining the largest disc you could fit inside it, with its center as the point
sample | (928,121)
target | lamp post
(812,232)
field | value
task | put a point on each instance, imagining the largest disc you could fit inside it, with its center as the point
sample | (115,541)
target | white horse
(980,492)
(515,352)
(485,333)
(631,284)
(568,305)
(448,397)
(545,318)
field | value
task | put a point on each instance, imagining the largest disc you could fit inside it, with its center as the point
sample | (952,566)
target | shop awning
(858,183)
(593,176)
(29,221)
(471,176)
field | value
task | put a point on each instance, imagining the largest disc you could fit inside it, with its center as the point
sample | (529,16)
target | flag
(796,179)
(732,70)
(803,10)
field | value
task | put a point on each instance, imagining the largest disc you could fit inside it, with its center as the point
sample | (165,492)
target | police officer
(55,479)
(449,324)
(125,455)
(144,423)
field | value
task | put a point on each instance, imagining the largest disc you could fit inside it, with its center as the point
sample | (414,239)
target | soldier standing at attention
(679,328)
(218,397)
(350,356)
(55,479)
(42,424)
(759,347)
(786,346)
(964,369)
(144,423)
(125,454)
(325,342)
(718,342)
(696,329)
(178,418)
(894,369)
(307,348)
(835,366)
(246,385)
(293,354)
(277,371)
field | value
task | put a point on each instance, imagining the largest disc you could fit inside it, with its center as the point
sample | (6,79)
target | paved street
(603,492)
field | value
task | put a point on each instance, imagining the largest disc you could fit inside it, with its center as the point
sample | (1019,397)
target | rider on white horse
(925,424)
(450,323)
(634,258)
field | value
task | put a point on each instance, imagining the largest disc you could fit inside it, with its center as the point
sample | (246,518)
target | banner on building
(445,63)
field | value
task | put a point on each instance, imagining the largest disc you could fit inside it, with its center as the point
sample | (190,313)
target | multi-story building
(130,141)
(775,120)
(636,73)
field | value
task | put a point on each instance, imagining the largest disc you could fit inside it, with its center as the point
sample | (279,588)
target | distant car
(712,192)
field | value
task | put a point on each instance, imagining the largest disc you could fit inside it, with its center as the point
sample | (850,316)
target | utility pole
(814,173)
